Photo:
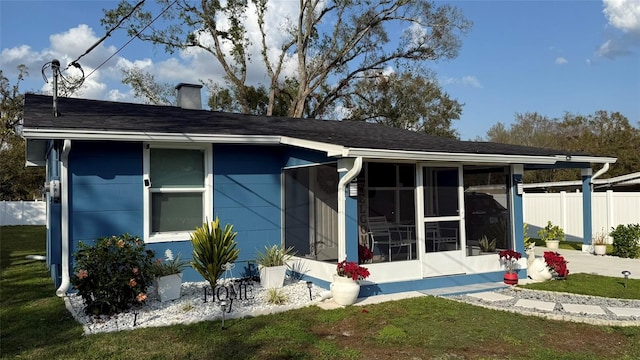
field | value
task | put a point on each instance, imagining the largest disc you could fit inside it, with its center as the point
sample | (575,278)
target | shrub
(111,276)
(626,241)
(551,232)
(212,248)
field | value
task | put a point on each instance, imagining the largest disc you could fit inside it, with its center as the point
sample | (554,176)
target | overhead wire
(107,34)
(132,38)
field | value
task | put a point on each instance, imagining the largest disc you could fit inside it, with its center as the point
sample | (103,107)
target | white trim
(64,223)
(206,190)
(467,157)
(332,150)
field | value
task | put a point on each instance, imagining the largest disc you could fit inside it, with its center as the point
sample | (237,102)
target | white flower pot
(344,290)
(600,249)
(553,244)
(272,276)
(168,287)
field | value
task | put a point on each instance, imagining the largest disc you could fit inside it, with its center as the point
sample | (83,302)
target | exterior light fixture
(626,274)
(309,285)
(223,307)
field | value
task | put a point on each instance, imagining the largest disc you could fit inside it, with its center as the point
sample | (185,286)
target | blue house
(329,189)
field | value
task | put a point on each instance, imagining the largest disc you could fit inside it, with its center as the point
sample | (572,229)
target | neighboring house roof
(105,120)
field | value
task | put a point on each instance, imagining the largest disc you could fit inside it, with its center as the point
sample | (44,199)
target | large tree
(17,182)
(404,101)
(331,43)
(601,133)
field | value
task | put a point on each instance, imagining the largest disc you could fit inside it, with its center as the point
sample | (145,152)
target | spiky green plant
(274,256)
(212,248)
(276,297)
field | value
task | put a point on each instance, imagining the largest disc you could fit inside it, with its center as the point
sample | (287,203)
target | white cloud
(623,15)
(560,60)
(465,81)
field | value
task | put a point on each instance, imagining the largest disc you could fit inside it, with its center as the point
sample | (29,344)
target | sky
(549,57)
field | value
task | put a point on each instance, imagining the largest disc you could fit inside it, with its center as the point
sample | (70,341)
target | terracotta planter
(344,290)
(168,287)
(511,278)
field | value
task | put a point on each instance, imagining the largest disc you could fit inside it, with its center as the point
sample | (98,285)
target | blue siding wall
(106,197)
(247,188)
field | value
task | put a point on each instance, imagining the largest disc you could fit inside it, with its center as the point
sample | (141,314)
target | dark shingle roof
(93,115)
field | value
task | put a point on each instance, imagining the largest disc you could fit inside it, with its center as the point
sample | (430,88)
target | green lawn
(34,324)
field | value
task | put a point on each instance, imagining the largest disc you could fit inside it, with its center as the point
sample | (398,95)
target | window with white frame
(177,198)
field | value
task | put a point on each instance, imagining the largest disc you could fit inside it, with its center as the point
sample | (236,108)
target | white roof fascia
(586,159)
(330,149)
(614,180)
(449,157)
(553,184)
(147,136)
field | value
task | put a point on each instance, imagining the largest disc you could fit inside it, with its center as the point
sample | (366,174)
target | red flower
(557,263)
(364,254)
(352,270)
(509,258)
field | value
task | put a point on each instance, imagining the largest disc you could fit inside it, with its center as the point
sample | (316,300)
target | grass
(36,325)
(595,285)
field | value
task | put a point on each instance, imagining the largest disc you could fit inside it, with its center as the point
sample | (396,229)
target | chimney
(189,96)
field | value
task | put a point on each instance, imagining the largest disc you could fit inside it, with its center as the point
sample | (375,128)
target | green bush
(212,248)
(112,275)
(626,241)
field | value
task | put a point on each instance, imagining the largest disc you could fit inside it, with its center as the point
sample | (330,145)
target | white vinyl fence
(23,213)
(609,209)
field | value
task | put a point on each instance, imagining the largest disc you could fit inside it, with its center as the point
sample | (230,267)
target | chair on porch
(437,236)
(381,232)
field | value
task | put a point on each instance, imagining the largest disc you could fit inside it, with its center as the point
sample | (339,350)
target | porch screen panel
(311,211)
(325,197)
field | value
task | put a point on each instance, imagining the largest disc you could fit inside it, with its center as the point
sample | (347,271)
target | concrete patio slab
(536,304)
(625,312)
(490,296)
(584,309)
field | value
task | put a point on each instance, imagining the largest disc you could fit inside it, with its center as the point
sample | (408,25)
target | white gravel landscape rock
(191,308)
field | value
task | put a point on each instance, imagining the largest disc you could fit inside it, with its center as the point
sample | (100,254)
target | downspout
(599,173)
(64,226)
(342,197)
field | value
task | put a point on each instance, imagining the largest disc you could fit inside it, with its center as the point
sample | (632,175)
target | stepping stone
(536,304)
(583,309)
(625,312)
(490,296)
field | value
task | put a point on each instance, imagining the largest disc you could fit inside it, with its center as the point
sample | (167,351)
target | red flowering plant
(509,258)
(364,254)
(557,263)
(352,270)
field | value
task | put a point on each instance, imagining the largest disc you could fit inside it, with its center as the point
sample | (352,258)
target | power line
(107,34)
(133,38)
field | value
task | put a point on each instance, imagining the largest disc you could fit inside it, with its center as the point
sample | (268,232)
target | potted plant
(364,254)
(272,264)
(487,246)
(551,235)
(345,286)
(167,276)
(599,242)
(557,264)
(509,258)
